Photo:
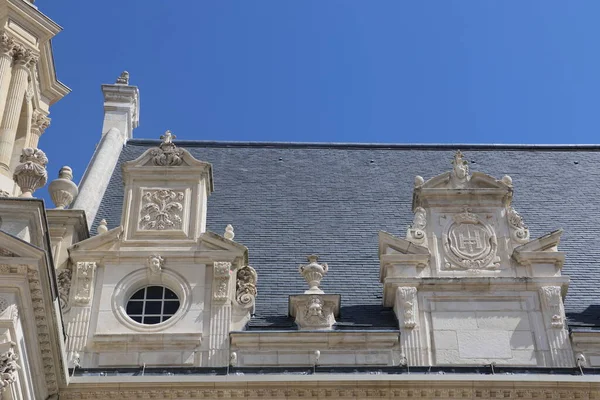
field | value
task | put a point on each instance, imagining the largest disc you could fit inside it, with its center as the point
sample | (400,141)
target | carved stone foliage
(155,264)
(31,173)
(313,273)
(519,231)
(408,303)
(167,154)
(39,122)
(7,44)
(245,292)
(221,275)
(469,243)
(84,282)
(161,210)
(552,304)
(416,232)
(8,369)
(315,313)
(24,57)
(64,277)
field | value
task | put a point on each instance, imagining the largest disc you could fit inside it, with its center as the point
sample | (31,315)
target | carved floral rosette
(245,293)
(161,209)
(470,244)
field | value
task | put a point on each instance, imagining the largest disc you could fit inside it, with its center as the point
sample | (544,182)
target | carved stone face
(155,263)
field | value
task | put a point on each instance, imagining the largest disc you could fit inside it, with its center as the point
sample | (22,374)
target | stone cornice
(347,386)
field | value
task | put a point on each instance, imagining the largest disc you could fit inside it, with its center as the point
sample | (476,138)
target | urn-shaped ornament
(313,273)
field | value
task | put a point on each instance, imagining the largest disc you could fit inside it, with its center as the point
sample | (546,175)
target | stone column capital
(24,57)
(39,122)
(7,45)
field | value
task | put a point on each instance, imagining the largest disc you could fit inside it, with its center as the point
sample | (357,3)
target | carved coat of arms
(470,244)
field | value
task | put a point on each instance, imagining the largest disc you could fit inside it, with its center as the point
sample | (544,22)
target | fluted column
(39,123)
(23,58)
(7,49)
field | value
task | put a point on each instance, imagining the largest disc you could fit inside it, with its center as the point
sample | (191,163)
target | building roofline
(375,146)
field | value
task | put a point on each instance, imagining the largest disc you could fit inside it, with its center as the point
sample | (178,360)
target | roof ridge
(359,146)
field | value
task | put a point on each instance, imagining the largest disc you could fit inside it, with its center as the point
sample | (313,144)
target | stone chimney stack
(121,117)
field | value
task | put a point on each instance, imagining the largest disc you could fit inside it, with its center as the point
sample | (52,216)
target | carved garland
(245,293)
(161,210)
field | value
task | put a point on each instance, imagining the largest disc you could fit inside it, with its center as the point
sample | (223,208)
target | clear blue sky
(337,71)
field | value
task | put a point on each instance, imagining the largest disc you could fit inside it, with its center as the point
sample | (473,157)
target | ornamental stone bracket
(245,287)
(220,284)
(314,310)
(83,283)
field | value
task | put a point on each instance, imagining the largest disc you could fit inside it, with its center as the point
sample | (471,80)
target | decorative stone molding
(123,79)
(408,299)
(161,210)
(167,154)
(155,264)
(245,292)
(229,234)
(3,304)
(416,232)
(313,273)
(8,368)
(63,190)
(64,277)
(519,231)
(84,282)
(552,304)
(411,390)
(469,243)
(31,173)
(221,276)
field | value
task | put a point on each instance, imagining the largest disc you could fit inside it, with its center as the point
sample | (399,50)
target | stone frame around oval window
(138,279)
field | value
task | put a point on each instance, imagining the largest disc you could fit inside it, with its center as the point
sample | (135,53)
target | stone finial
(167,154)
(507,180)
(229,234)
(63,190)
(419,181)
(31,173)
(123,79)
(313,273)
(102,227)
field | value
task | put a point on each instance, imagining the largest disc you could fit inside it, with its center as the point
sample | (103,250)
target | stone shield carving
(470,244)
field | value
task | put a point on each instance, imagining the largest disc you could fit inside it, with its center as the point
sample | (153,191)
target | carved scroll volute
(416,232)
(519,232)
(245,293)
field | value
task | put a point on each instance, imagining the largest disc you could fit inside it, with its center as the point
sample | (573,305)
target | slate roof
(288,200)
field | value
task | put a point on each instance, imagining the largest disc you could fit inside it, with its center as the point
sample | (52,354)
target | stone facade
(155,305)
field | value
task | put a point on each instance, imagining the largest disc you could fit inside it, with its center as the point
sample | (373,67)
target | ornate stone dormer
(468,263)
(314,310)
(166,191)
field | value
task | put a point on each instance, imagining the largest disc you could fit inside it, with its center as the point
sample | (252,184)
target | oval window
(152,305)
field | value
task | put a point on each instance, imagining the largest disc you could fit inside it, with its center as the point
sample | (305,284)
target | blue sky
(336,71)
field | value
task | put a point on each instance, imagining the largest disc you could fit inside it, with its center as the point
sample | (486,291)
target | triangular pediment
(14,248)
(389,243)
(212,242)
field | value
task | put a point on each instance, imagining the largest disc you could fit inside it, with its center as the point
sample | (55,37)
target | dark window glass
(152,305)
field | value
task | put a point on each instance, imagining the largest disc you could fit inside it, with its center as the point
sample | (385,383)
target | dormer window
(152,305)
